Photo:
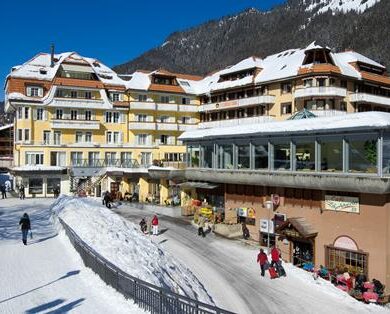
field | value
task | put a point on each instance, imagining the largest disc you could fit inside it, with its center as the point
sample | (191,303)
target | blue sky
(112,31)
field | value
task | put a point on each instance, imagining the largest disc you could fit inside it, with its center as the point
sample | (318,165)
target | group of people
(145,226)
(275,268)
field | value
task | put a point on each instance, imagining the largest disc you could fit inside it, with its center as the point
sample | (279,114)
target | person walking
(25,225)
(155,225)
(3,191)
(143,225)
(275,256)
(201,225)
(21,192)
(262,259)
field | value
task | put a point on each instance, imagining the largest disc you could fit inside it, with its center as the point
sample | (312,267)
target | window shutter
(40,92)
(80,115)
(120,97)
(105,135)
(44,114)
(122,117)
(93,115)
(28,91)
(35,113)
(120,137)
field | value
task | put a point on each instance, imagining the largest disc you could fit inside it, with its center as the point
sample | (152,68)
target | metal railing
(98,163)
(147,296)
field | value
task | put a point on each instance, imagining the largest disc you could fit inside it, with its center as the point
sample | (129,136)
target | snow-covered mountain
(361,25)
(321,6)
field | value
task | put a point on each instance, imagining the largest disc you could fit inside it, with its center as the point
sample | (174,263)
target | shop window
(282,153)
(332,155)
(386,154)
(352,261)
(207,161)
(264,239)
(53,183)
(226,156)
(261,156)
(35,186)
(243,156)
(363,155)
(305,156)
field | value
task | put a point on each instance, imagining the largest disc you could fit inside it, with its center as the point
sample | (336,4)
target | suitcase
(280,270)
(272,272)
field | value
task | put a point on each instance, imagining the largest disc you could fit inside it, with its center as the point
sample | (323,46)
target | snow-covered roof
(4,127)
(38,168)
(361,120)
(139,80)
(246,64)
(353,56)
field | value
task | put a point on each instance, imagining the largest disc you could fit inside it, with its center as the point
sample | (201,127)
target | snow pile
(340,5)
(123,244)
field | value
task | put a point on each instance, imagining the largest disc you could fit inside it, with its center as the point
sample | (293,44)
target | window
(208,151)
(110,158)
(286,108)
(73,94)
(261,156)
(108,117)
(308,83)
(40,114)
(20,112)
(354,261)
(185,120)
(116,137)
(363,154)
(282,153)
(93,158)
(112,137)
(321,82)
(164,119)
(194,156)
(286,88)
(34,91)
(79,137)
(142,98)
(142,139)
(57,137)
(126,158)
(185,101)
(35,185)
(34,158)
(27,135)
(226,156)
(26,112)
(88,137)
(165,99)
(305,155)
(88,95)
(59,114)
(164,139)
(73,114)
(343,106)
(46,137)
(332,82)
(142,118)
(20,135)
(115,97)
(243,159)
(88,115)
(146,158)
(58,159)
(53,183)
(332,154)
(115,117)
(343,84)
(76,158)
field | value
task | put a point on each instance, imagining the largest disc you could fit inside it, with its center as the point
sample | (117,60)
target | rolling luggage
(280,269)
(272,272)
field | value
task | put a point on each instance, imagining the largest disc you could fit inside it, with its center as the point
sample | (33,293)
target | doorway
(302,252)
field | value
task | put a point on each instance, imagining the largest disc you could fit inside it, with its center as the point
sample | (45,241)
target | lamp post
(270,206)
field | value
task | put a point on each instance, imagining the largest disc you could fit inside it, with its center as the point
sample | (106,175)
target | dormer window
(42,71)
(164,80)
(34,91)
(115,97)
(318,56)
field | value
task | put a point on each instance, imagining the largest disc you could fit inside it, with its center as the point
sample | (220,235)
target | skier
(21,192)
(25,225)
(155,225)
(143,225)
(263,260)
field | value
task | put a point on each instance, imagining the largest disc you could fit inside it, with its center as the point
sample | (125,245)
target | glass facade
(323,153)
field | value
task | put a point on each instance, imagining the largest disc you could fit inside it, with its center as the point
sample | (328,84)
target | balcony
(243,102)
(167,127)
(166,107)
(320,91)
(234,122)
(142,125)
(78,103)
(75,124)
(368,98)
(188,108)
(186,127)
(138,105)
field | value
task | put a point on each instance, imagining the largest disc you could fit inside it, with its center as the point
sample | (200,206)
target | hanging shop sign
(279,219)
(264,226)
(251,213)
(242,212)
(342,203)
(275,199)
(345,242)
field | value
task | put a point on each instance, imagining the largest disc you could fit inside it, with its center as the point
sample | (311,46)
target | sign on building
(342,203)
(264,225)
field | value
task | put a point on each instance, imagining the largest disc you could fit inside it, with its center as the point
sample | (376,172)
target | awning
(296,227)
(77,68)
(200,185)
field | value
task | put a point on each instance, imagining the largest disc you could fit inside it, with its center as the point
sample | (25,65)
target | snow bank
(123,244)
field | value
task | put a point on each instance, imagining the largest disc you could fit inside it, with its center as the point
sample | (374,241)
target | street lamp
(270,206)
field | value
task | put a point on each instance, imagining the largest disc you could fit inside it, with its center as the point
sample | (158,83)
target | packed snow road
(229,272)
(47,275)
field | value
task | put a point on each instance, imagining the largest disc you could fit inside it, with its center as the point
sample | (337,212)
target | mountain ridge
(221,42)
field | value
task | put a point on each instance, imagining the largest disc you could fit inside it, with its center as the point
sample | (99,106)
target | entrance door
(302,252)
(114,188)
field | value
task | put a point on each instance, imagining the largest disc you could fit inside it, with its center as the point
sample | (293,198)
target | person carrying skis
(263,260)
(25,225)
(155,225)
(21,192)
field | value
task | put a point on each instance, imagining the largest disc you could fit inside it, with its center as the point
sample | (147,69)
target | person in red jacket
(263,260)
(155,225)
(275,256)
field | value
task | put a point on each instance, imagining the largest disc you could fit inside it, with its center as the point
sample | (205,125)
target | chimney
(52,55)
